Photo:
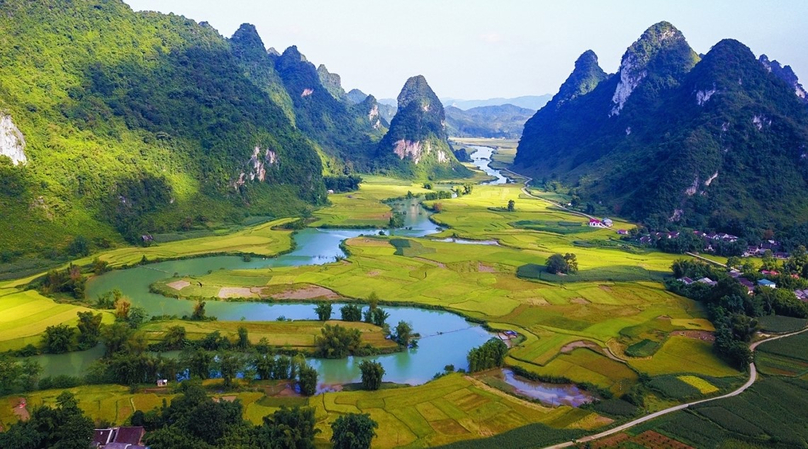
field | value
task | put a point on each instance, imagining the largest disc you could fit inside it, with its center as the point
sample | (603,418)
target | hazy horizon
(478,49)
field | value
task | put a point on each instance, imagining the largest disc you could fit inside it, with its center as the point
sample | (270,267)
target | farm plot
(25,315)
(452,408)
(295,334)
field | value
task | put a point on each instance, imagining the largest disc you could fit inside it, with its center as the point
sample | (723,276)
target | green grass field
(262,240)
(296,335)
(25,315)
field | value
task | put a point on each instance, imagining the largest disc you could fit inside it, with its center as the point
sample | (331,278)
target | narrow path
(630,424)
(710,261)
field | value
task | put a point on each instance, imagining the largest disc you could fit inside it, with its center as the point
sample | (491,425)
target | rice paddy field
(450,409)
(288,334)
(364,208)
(24,316)
(263,240)
(576,326)
(769,414)
(605,326)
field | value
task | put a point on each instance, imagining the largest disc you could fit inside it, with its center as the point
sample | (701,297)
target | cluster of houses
(119,438)
(768,245)
(605,223)
(750,286)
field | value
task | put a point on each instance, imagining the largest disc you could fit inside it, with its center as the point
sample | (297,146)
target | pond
(551,394)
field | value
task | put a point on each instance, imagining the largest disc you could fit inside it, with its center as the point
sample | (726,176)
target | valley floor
(575,328)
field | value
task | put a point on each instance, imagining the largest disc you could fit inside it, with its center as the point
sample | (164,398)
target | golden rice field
(293,334)
(24,316)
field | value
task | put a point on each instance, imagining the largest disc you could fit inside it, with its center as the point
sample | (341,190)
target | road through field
(630,424)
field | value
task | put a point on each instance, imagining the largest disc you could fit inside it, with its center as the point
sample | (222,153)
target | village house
(708,281)
(767,283)
(118,438)
(750,286)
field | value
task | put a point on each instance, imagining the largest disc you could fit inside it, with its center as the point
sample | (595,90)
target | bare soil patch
(310,292)
(178,285)
(485,268)
(579,301)
(21,410)
(696,335)
(236,292)
(569,347)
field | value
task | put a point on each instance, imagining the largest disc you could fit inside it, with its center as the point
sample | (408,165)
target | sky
(475,49)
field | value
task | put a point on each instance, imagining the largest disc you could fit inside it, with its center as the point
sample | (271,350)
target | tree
(79,247)
(511,205)
(174,337)
(307,380)
(323,311)
(353,431)
(62,427)
(372,373)
(89,329)
(243,338)
(10,371)
(490,355)
(122,306)
(572,263)
(403,333)
(336,342)
(114,336)
(288,428)
(229,366)
(58,339)
(29,374)
(137,315)
(351,312)
(199,311)
(556,264)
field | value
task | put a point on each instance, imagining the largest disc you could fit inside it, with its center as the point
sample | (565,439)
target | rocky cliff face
(12,142)
(786,74)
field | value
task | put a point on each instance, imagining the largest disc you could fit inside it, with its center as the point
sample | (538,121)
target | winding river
(445,339)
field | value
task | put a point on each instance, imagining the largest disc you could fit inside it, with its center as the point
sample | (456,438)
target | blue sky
(474,49)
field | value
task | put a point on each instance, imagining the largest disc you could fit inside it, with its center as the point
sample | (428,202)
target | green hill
(416,144)
(718,142)
(135,123)
(501,121)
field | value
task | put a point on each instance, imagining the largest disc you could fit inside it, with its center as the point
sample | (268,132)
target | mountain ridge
(673,140)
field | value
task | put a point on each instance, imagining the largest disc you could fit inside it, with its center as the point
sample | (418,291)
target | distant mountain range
(534,102)
(719,141)
(504,121)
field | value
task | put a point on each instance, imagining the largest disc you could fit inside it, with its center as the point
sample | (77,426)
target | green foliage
(337,342)
(351,312)
(63,427)
(307,380)
(18,375)
(58,339)
(644,348)
(288,428)
(567,264)
(133,123)
(403,334)
(353,431)
(372,373)
(490,355)
(323,311)
(89,329)
(342,183)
